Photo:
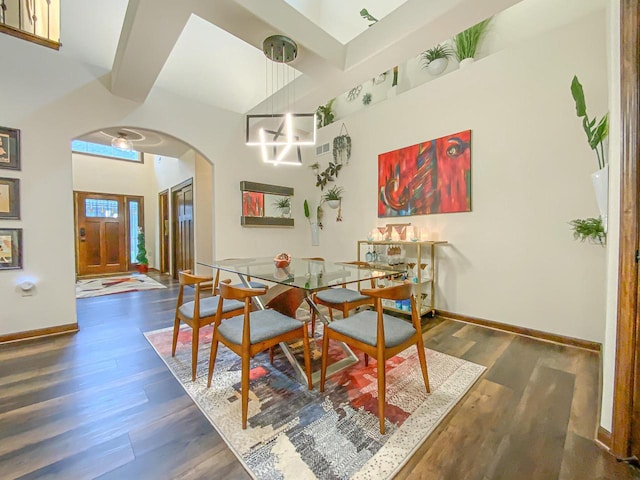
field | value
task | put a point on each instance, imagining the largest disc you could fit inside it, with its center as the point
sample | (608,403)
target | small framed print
(10,198)
(10,248)
(9,148)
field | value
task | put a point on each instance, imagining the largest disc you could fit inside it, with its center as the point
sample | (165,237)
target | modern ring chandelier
(280,135)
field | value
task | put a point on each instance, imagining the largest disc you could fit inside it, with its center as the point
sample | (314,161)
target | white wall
(52,101)
(107,175)
(512,259)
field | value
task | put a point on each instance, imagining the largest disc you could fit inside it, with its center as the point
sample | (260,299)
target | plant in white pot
(597,132)
(284,205)
(466,42)
(436,58)
(333,196)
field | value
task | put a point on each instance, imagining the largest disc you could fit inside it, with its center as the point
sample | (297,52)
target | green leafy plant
(467,41)
(141,257)
(589,229)
(366,98)
(282,203)
(324,114)
(334,193)
(439,51)
(307,213)
(367,16)
(341,149)
(596,134)
(328,175)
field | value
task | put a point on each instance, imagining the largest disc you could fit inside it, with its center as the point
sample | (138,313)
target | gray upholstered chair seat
(363,327)
(209,307)
(265,324)
(340,295)
(252,285)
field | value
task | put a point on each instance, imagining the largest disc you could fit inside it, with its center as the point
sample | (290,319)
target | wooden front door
(163,204)
(101,234)
(182,207)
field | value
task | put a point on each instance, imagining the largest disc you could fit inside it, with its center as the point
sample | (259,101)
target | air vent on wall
(322,149)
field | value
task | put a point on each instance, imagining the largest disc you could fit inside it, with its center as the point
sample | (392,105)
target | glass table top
(303,273)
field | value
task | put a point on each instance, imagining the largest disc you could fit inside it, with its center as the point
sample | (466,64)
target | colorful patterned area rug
(109,285)
(295,433)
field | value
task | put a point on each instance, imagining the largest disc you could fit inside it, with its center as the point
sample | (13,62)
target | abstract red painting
(252,204)
(430,177)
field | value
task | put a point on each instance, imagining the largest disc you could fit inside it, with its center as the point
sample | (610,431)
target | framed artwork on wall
(9,148)
(429,177)
(10,248)
(10,198)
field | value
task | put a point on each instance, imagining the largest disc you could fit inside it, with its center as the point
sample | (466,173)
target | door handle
(82,234)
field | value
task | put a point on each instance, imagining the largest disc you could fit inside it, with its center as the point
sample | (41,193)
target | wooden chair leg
(195,343)
(325,354)
(313,322)
(307,356)
(331,314)
(244,388)
(176,329)
(382,388)
(366,360)
(423,365)
(212,358)
(271,354)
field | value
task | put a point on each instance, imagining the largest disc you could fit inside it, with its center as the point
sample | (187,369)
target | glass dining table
(304,277)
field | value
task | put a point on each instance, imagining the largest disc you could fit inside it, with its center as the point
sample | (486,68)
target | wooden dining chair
(341,298)
(198,313)
(379,335)
(251,333)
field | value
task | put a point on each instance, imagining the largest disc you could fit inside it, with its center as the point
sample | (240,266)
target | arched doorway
(143,188)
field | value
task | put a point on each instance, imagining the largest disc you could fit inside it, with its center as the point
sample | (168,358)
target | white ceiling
(211,51)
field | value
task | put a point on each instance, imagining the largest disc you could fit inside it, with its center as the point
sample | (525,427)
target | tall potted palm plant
(597,133)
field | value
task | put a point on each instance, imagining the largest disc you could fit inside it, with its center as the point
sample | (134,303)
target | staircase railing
(37,21)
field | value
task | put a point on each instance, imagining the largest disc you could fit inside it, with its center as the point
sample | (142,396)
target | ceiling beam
(150,30)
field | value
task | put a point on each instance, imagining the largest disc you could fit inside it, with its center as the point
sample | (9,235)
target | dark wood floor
(101,404)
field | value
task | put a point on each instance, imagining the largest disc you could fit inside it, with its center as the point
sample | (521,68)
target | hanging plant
(366,98)
(342,146)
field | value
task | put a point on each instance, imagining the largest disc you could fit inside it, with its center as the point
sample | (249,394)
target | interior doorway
(163,211)
(182,220)
(106,229)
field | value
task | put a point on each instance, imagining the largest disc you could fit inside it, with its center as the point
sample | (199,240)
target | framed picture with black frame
(9,148)
(9,199)
(10,248)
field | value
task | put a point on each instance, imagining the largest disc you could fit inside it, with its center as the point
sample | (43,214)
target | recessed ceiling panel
(341,18)
(212,66)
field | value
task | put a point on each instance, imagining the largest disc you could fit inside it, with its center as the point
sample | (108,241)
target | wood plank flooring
(101,404)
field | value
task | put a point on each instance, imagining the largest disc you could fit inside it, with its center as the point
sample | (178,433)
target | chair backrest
(396,292)
(231,292)
(186,278)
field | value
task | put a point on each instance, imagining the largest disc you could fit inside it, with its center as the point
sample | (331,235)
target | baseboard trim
(604,437)
(528,332)
(41,332)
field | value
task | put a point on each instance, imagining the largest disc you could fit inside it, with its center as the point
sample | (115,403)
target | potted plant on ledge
(141,257)
(467,42)
(436,59)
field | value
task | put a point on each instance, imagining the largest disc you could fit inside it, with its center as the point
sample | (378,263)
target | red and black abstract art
(430,177)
